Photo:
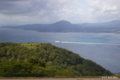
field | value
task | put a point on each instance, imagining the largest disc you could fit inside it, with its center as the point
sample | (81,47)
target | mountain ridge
(65,26)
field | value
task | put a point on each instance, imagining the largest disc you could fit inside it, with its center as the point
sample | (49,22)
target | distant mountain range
(65,26)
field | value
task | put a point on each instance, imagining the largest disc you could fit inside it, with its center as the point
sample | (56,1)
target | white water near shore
(87,43)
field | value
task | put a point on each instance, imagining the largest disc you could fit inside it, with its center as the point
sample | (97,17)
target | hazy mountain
(65,26)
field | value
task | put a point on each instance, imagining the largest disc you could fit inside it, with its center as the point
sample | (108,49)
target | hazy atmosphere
(60,39)
(19,12)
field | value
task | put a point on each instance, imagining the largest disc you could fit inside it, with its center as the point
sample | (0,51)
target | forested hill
(65,26)
(44,57)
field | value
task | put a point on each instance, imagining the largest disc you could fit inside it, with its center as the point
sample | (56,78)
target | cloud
(11,7)
(31,11)
(13,12)
(104,10)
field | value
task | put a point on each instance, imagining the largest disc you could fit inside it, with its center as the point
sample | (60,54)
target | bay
(104,49)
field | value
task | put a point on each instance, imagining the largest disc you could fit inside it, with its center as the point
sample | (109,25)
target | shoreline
(63,32)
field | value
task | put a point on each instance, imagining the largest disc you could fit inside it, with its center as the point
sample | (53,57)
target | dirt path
(64,79)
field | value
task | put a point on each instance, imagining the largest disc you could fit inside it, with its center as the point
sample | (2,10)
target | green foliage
(118,76)
(36,61)
(15,67)
(45,60)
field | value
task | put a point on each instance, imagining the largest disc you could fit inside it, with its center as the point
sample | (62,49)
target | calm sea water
(104,49)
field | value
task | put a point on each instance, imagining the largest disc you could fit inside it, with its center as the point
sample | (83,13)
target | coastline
(62,32)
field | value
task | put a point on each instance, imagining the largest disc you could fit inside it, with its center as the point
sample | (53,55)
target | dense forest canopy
(44,58)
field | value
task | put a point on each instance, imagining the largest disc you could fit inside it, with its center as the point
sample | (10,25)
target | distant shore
(90,33)
(65,32)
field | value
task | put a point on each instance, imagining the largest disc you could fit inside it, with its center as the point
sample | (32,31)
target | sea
(104,49)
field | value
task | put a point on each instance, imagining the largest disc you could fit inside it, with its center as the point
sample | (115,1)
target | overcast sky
(19,12)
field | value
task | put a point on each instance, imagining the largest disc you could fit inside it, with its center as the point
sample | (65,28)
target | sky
(22,12)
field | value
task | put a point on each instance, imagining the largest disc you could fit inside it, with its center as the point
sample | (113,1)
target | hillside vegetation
(44,59)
